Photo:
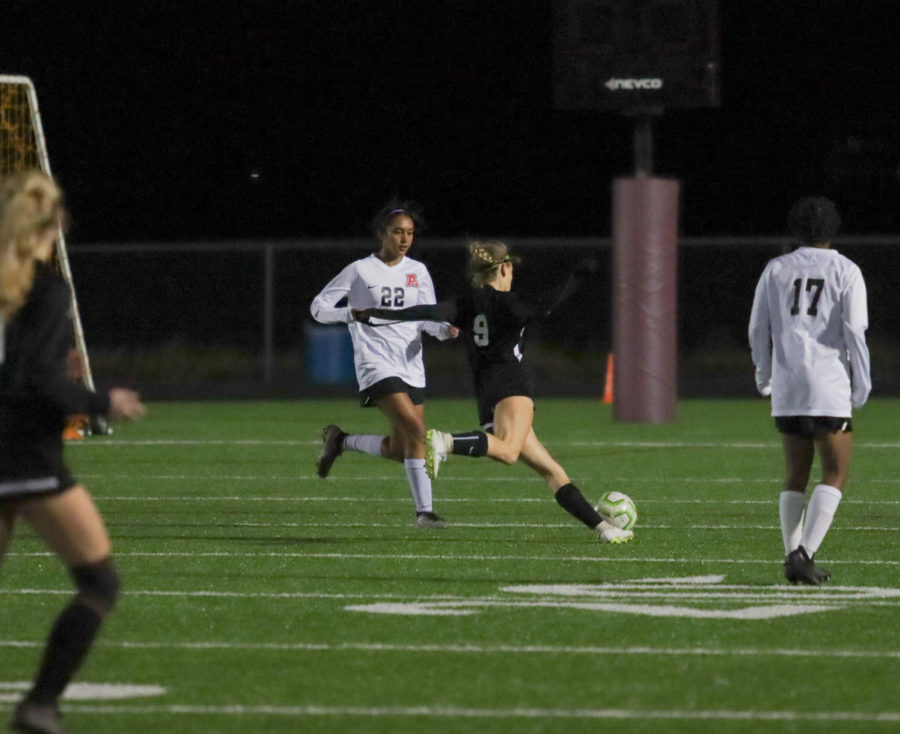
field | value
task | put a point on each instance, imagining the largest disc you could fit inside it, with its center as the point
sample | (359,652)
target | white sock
(819,514)
(365,443)
(790,510)
(419,483)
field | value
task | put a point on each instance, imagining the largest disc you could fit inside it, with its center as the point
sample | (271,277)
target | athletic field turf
(259,598)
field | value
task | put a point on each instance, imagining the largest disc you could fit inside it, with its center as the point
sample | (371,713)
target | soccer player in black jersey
(492,321)
(36,395)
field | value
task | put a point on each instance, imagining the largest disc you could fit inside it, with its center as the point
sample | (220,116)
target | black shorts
(812,426)
(390,386)
(503,381)
(32,470)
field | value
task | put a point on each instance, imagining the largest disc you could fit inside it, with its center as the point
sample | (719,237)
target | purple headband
(395,211)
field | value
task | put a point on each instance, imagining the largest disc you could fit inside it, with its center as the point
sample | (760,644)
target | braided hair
(485,258)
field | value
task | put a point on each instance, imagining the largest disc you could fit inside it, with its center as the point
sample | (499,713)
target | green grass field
(259,598)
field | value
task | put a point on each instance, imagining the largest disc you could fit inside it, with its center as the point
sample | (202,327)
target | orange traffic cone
(608,387)
(76,428)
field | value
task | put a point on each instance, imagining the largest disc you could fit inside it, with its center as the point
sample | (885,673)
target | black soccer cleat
(334,447)
(36,718)
(799,567)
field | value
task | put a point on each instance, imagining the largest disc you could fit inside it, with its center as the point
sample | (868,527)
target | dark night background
(184,121)
(158,114)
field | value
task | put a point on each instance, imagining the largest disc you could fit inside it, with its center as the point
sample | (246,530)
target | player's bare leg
(71,526)
(834,452)
(407,444)
(407,437)
(513,418)
(537,458)
(799,453)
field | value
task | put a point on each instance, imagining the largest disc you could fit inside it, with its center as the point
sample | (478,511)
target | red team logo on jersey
(411,281)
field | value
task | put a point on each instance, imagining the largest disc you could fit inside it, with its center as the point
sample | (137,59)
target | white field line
(453,558)
(623,590)
(473,649)
(405,500)
(686,597)
(478,525)
(775,482)
(114,443)
(453,712)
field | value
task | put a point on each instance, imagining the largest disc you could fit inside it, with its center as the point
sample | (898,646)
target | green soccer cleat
(438,446)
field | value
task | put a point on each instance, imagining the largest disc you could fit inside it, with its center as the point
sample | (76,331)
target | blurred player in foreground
(36,395)
(389,367)
(492,320)
(807,339)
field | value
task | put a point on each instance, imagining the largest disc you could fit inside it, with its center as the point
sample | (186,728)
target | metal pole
(268,310)
(643,145)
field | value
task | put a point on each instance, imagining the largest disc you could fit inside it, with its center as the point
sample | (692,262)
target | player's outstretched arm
(443,311)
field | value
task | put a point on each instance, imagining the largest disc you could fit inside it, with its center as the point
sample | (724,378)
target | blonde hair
(30,203)
(485,259)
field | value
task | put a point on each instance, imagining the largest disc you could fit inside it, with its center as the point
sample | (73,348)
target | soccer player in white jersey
(388,360)
(807,338)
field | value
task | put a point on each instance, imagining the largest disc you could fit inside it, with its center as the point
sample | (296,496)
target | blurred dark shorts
(810,426)
(32,469)
(390,386)
(499,382)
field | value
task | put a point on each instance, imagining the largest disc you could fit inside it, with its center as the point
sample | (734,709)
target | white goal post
(23,146)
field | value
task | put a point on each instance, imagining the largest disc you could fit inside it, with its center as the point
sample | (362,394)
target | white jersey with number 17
(807,333)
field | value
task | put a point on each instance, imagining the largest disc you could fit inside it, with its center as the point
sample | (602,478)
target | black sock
(69,641)
(572,501)
(470,444)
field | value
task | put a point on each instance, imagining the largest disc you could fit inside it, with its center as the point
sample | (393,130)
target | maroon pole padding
(645,251)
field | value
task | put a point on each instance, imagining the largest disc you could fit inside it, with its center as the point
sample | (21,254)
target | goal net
(22,146)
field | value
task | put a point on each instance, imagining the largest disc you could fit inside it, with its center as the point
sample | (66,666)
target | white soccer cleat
(430,520)
(609,533)
(438,446)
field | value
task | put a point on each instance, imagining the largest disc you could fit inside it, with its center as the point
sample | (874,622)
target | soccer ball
(618,508)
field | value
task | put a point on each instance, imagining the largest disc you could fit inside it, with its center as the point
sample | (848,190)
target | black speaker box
(635,55)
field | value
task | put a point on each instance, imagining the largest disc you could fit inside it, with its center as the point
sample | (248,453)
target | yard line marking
(454,712)
(622,589)
(477,525)
(607,480)
(469,648)
(194,442)
(227,594)
(616,558)
(580,444)
(405,500)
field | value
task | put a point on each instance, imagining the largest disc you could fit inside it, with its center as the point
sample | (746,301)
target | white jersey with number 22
(393,350)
